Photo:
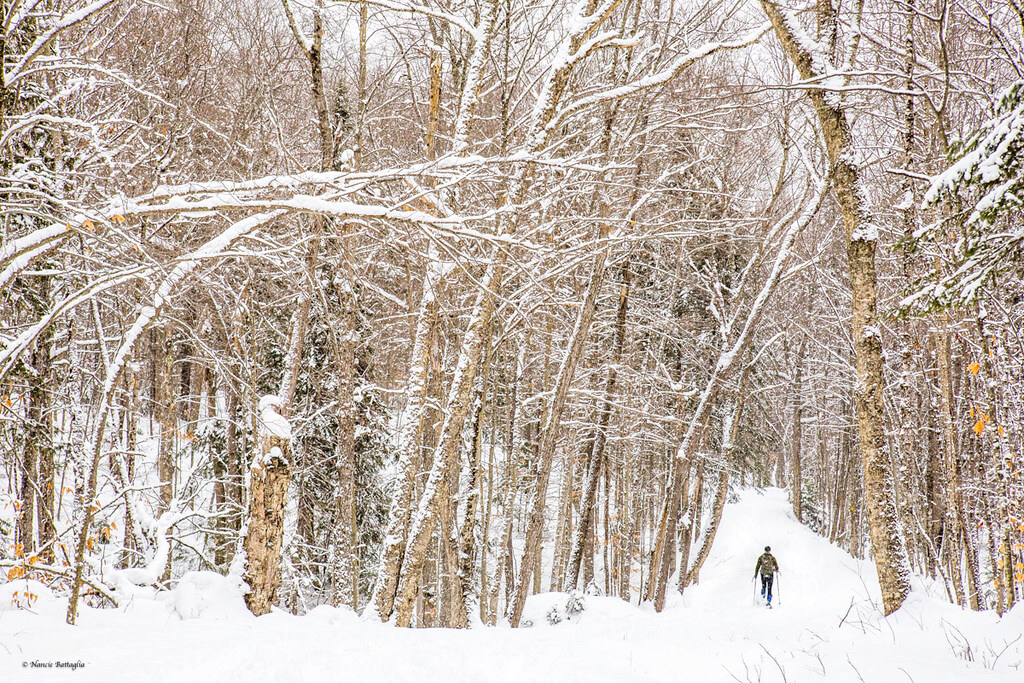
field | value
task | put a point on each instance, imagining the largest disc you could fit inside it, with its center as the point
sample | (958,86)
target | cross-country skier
(767,565)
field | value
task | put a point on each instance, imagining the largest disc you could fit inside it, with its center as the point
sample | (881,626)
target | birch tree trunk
(1000,524)
(861,240)
(465,600)
(164,391)
(400,520)
(345,570)
(445,459)
(268,489)
(410,439)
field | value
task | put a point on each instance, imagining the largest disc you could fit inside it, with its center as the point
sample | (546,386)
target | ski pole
(778,587)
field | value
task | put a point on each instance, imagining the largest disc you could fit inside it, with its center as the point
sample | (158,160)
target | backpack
(768,564)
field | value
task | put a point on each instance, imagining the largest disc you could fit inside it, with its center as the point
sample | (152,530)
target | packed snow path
(826,628)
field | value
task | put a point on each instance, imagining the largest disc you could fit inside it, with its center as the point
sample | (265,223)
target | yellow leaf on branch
(974,367)
(979,426)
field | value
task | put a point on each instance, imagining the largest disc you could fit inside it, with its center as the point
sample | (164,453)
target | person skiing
(767,565)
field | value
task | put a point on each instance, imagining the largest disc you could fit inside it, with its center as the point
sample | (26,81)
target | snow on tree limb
(990,160)
(43,41)
(22,252)
(674,69)
(15,347)
(414,7)
(94,445)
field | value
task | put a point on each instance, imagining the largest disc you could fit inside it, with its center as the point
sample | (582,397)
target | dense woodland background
(423,306)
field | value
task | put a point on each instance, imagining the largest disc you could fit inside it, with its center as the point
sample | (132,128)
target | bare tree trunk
(657,552)
(664,539)
(549,436)
(951,471)
(600,439)
(464,598)
(167,418)
(344,560)
(780,468)
(974,597)
(933,494)
(730,431)
(410,439)
(345,569)
(37,442)
(233,452)
(564,532)
(445,458)
(487,495)
(268,490)
(678,495)
(504,568)
(861,238)
(37,454)
(398,536)
(221,501)
(798,414)
(270,473)
(1000,516)
(695,509)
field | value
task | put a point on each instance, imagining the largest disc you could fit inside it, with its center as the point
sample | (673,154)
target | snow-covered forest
(484,313)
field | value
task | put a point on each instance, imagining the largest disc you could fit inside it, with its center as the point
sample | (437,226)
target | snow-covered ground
(826,627)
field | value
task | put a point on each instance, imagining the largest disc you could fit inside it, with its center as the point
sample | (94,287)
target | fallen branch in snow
(781,670)
(64,572)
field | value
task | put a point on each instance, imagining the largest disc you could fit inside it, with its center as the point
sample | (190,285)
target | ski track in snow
(717,631)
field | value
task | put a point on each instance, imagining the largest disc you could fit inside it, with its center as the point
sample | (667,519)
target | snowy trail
(714,632)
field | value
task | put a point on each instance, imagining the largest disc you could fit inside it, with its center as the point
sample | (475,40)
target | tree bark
(600,438)
(951,469)
(345,571)
(861,238)
(464,598)
(1000,523)
(549,436)
(167,418)
(445,459)
(268,491)
(798,414)
(730,431)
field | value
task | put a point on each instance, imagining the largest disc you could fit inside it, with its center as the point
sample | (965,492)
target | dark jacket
(766,565)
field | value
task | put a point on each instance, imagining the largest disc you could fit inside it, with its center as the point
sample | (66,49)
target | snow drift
(826,627)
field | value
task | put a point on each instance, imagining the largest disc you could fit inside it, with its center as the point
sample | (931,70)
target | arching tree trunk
(730,431)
